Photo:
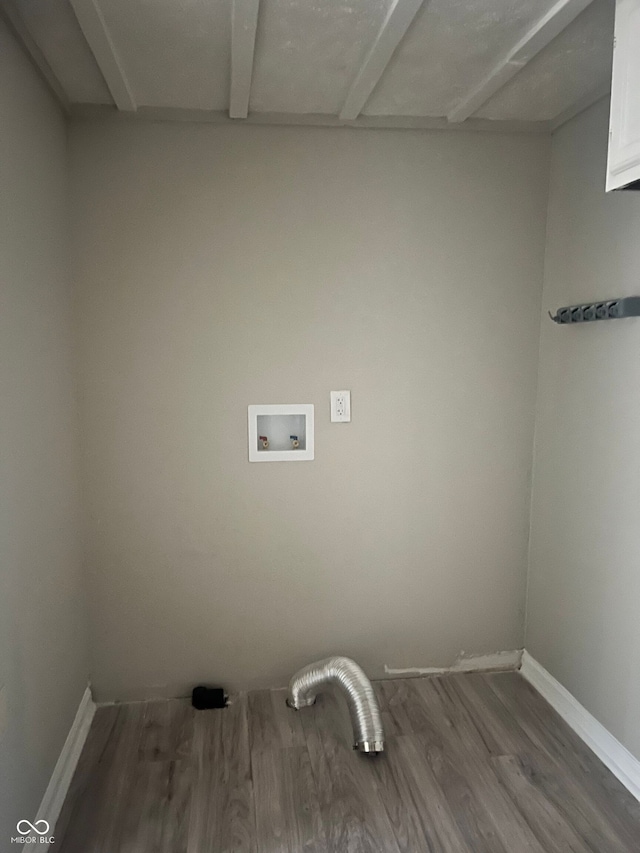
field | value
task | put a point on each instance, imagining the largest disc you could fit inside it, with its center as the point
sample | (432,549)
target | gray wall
(218,267)
(43,660)
(584,583)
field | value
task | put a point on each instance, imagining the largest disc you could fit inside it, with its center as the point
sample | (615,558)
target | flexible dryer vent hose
(363,705)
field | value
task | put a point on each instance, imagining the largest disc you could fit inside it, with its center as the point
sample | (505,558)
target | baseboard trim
(609,750)
(54,796)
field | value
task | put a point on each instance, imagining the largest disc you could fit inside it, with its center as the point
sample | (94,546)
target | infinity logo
(32,827)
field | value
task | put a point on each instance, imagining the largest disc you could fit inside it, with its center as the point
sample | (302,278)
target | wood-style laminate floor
(474,764)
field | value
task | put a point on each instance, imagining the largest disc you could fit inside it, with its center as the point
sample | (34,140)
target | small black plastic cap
(203,698)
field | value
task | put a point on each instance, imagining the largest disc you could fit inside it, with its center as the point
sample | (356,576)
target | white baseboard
(494,662)
(610,751)
(54,796)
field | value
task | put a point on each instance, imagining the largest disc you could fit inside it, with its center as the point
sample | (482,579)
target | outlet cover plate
(340,407)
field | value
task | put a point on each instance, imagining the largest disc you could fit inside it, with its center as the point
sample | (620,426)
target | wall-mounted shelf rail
(609,309)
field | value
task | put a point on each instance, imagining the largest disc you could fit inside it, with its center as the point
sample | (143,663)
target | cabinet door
(624,129)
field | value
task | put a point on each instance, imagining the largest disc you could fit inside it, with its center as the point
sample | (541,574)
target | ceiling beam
(244,23)
(399,18)
(98,37)
(551,24)
(13,19)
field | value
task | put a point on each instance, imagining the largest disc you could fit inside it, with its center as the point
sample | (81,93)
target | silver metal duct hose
(363,705)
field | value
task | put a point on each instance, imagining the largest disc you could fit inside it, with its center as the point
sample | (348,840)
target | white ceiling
(396,62)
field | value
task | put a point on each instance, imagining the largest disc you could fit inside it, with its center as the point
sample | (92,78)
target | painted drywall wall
(43,648)
(218,267)
(584,588)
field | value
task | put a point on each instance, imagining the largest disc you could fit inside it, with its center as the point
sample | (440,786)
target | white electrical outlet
(340,406)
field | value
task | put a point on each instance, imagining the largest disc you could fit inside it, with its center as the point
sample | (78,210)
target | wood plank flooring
(474,764)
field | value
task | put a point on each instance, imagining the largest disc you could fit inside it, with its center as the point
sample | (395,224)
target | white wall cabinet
(623,170)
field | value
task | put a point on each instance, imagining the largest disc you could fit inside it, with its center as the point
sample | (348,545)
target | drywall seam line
(536,401)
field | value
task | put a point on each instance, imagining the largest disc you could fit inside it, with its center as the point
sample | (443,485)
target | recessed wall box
(281,433)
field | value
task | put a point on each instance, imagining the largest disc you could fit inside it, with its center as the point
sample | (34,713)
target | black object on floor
(203,698)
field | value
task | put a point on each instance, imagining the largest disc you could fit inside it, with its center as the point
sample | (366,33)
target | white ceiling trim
(244,23)
(12,16)
(99,40)
(539,36)
(399,18)
(363,122)
(583,103)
